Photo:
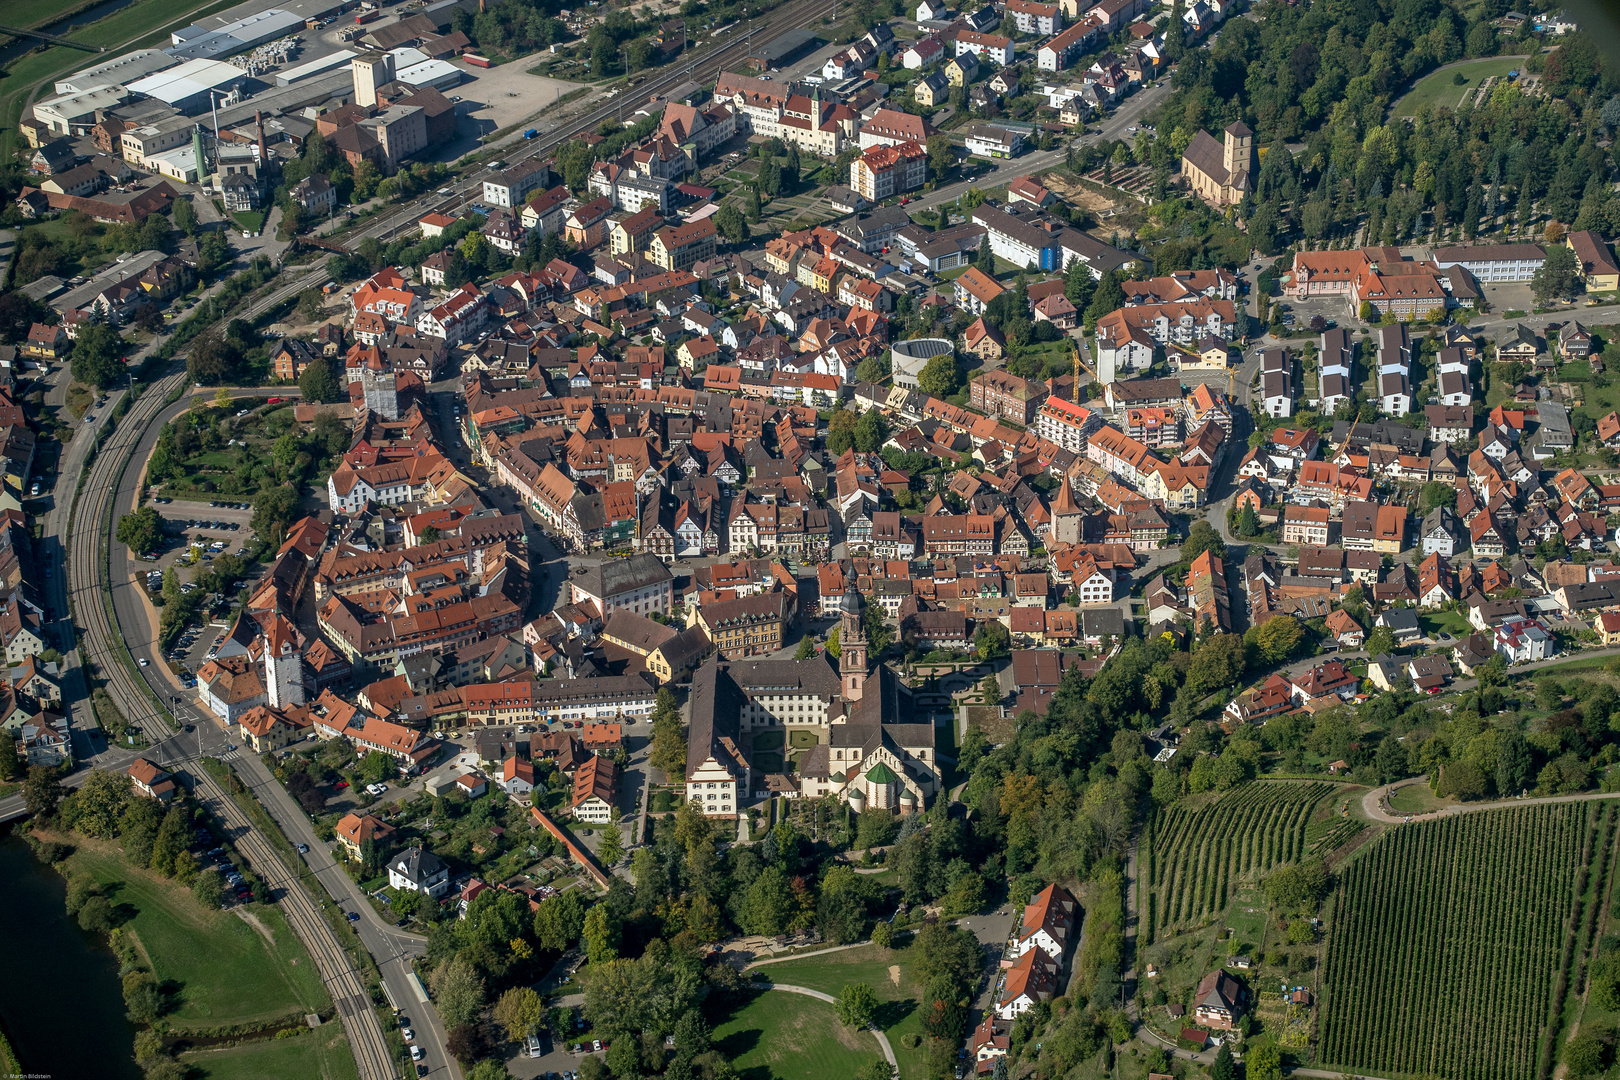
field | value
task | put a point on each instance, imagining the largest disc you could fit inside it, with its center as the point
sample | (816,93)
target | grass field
(1417,799)
(1437,88)
(781,1036)
(1447,622)
(228,973)
(886,971)
(318,1055)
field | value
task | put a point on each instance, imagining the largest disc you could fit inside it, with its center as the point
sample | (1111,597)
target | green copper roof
(881,774)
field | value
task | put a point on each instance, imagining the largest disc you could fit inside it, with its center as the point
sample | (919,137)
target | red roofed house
(517,777)
(1024,189)
(1048,920)
(1031,979)
(1329,677)
(595,783)
(355,830)
(151,781)
(1271,698)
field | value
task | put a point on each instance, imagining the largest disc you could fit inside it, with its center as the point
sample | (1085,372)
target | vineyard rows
(1196,855)
(1451,942)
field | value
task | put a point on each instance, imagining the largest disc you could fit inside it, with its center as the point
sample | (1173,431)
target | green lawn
(768,761)
(226,973)
(886,971)
(1417,799)
(780,1036)
(251,220)
(801,740)
(322,1054)
(1437,88)
(1446,622)
(768,740)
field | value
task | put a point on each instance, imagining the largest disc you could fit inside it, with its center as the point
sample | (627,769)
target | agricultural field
(1200,850)
(1452,942)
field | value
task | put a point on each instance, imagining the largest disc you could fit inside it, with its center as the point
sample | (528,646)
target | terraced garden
(1197,851)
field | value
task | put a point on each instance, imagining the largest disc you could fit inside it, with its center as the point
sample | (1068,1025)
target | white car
(144,661)
(416,1053)
(407,1034)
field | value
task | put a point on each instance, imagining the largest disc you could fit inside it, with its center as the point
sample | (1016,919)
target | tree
(730,223)
(882,935)
(986,259)
(1108,296)
(992,641)
(429,535)
(213,360)
(870,431)
(1559,275)
(1262,1061)
(669,740)
(945,1013)
(939,376)
(1299,888)
(185,216)
(95,808)
(97,356)
(1380,641)
(142,530)
(559,921)
(488,1069)
(601,935)
(520,1012)
(458,990)
(610,849)
(941,156)
(8,756)
(1202,537)
(1437,494)
(841,431)
(1248,522)
(1224,1067)
(751,208)
(317,382)
(209,889)
(856,1005)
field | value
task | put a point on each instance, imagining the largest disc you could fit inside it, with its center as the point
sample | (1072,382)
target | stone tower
(1239,152)
(852,647)
(283,664)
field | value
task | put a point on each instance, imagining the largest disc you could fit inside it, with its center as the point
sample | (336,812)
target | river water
(61,1004)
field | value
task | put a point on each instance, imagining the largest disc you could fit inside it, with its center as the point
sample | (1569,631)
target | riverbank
(52,963)
(228,972)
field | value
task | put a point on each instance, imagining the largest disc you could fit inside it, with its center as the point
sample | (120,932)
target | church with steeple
(790,727)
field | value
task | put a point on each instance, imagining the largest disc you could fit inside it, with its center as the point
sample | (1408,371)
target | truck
(366,16)
(531,133)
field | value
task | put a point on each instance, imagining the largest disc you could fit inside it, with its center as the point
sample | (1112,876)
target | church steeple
(852,646)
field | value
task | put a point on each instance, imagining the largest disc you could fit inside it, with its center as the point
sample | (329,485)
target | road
(1372,803)
(1010,168)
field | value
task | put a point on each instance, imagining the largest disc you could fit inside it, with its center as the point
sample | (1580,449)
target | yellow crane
(1074,347)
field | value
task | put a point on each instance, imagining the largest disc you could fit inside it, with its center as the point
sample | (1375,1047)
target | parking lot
(196,533)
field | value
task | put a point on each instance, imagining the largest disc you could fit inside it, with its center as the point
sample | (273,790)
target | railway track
(89,572)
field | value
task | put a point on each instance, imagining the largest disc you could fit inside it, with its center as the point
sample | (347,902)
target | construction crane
(1074,347)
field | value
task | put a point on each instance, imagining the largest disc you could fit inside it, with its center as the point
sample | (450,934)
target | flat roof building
(186,87)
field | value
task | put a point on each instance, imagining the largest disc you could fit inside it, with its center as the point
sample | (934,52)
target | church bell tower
(852,647)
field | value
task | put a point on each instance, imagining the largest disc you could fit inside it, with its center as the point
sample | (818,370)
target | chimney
(258,118)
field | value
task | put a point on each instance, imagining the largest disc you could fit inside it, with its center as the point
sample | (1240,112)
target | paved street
(1004,170)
